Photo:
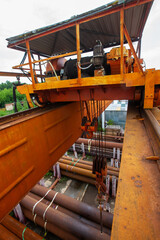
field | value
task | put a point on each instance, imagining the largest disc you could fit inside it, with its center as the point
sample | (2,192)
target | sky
(20,16)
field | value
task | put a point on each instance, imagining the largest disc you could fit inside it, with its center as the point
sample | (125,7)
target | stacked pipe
(105,137)
(93,151)
(70,213)
(16,230)
(83,169)
(91,147)
(6,234)
(68,219)
(102,144)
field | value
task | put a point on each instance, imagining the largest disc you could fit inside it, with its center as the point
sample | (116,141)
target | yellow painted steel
(148,80)
(47,59)
(136,214)
(30,145)
(129,79)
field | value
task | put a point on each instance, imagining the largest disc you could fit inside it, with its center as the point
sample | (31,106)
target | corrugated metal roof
(106,29)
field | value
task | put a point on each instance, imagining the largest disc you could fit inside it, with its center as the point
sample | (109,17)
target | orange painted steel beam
(16,74)
(78,52)
(137,202)
(100,93)
(40,67)
(47,59)
(132,49)
(30,145)
(122,39)
(149,90)
(30,63)
(129,79)
(85,19)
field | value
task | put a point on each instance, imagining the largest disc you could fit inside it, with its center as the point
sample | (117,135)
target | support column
(40,68)
(122,39)
(132,49)
(78,52)
(30,63)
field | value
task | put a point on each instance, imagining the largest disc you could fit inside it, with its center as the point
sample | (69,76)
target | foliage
(3,112)
(48,174)
(110,122)
(100,129)
(6,85)
(63,179)
(6,96)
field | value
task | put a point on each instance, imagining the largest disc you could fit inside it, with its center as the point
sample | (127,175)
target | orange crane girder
(29,147)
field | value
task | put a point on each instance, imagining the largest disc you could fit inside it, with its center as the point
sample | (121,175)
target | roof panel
(49,41)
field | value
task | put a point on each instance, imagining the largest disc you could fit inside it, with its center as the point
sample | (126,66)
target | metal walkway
(137,208)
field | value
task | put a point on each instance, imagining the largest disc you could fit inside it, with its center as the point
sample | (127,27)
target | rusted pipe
(5,234)
(50,227)
(54,183)
(93,151)
(72,204)
(108,137)
(83,164)
(77,164)
(98,143)
(84,172)
(78,170)
(78,177)
(71,214)
(82,178)
(75,159)
(62,220)
(17,228)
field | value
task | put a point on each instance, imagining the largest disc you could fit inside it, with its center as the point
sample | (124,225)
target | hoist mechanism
(90,121)
(89,127)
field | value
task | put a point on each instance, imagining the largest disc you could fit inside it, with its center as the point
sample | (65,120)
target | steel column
(132,49)
(30,63)
(122,39)
(78,52)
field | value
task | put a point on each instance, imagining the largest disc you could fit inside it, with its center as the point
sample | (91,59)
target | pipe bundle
(96,147)
(71,220)
(10,228)
(82,167)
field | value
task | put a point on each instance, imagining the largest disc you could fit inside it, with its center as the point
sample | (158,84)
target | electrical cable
(84,68)
(53,70)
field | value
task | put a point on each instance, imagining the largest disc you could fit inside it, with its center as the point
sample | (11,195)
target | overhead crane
(32,142)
